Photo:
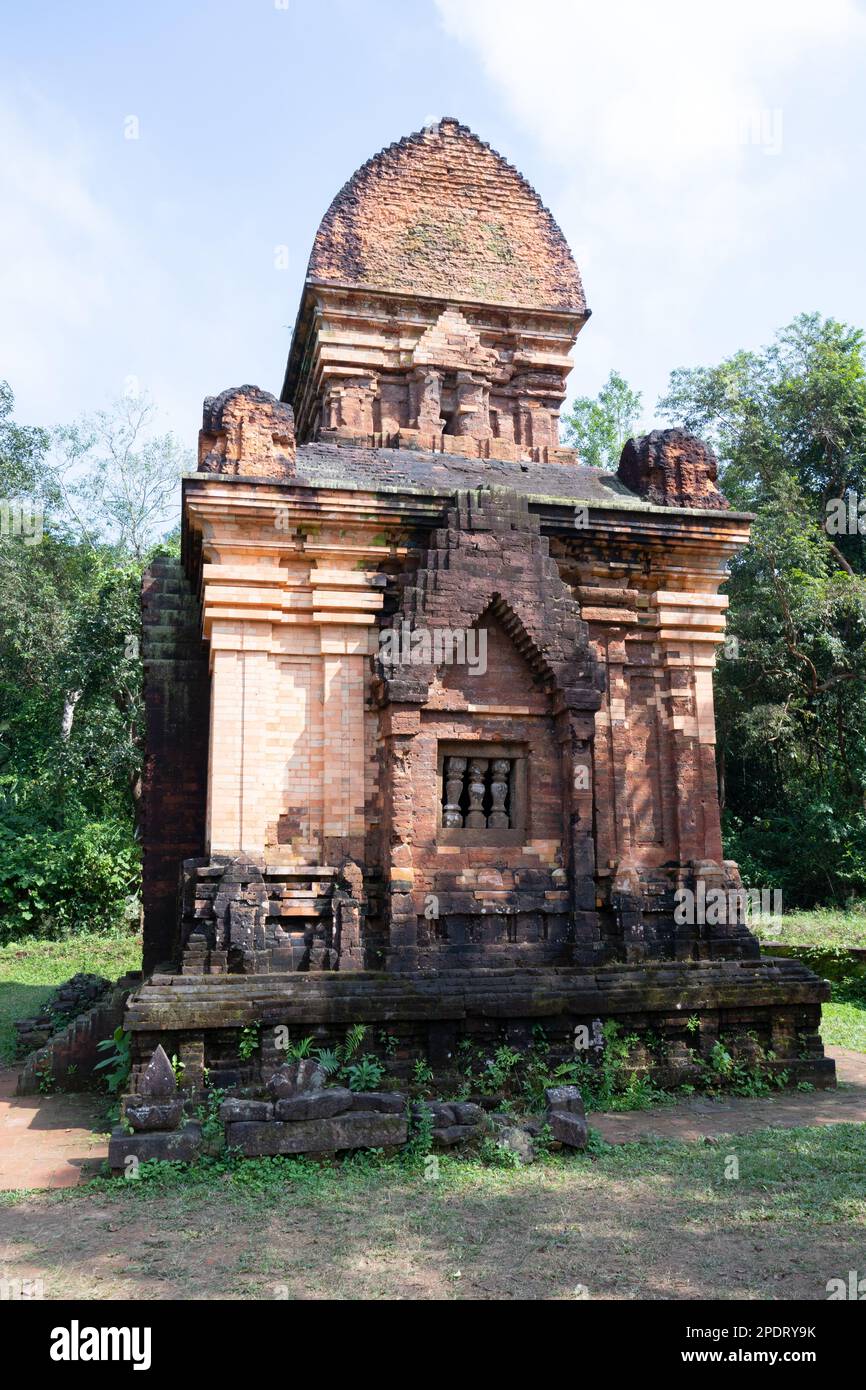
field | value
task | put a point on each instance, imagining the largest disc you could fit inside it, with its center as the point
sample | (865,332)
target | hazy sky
(705,162)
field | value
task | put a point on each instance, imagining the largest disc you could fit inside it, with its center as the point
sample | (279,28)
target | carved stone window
(482,793)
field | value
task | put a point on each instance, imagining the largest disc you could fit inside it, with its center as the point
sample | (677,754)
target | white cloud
(683,135)
(55,239)
(649,87)
(86,305)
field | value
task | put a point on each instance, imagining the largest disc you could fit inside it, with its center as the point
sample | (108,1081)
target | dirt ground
(697,1200)
(652,1220)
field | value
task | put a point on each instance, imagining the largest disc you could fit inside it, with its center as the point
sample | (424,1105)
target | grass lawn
(650,1220)
(655,1220)
(29,970)
(819,926)
(843,1020)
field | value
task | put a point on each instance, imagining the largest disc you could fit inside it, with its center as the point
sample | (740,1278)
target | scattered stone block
(534,1124)
(315,1105)
(569,1128)
(449,1135)
(296,1078)
(565,1098)
(235,1110)
(466,1113)
(441,1111)
(518,1142)
(174,1146)
(389,1102)
(353,1130)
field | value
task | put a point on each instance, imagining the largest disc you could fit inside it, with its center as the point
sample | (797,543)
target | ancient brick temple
(429,702)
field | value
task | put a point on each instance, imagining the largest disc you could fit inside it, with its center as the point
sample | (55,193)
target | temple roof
(440,213)
(415,470)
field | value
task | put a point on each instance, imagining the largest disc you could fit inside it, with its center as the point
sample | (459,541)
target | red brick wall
(177,714)
(440,212)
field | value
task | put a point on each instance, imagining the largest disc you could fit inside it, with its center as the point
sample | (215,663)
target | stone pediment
(452,343)
(490,558)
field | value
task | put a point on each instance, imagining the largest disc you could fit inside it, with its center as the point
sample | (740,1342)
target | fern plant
(342,1062)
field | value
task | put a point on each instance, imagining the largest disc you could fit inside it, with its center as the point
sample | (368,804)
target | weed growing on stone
(250,1041)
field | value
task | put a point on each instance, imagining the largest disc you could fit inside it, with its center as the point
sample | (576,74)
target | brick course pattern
(174,782)
(489,239)
(489,569)
(411,480)
(440,304)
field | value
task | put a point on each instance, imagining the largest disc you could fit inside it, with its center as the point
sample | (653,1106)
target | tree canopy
(598,427)
(70,669)
(789,426)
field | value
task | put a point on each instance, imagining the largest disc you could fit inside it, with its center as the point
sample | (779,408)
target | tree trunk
(69,714)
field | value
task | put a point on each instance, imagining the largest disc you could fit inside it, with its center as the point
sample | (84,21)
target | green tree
(70,670)
(789,426)
(22,452)
(118,480)
(598,428)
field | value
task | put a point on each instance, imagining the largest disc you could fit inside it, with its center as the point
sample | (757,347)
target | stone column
(472,416)
(242,695)
(425,387)
(576,732)
(344,653)
(399,728)
(288,715)
(690,625)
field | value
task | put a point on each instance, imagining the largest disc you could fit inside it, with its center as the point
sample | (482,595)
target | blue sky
(705,163)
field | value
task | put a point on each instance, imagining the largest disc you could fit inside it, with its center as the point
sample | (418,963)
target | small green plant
(387,1042)
(46,1080)
(495,1155)
(498,1070)
(420,1140)
(178,1067)
(360,1073)
(693,1024)
(610,1082)
(117,1062)
(721,1060)
(212,1128)
(538,1075)
(364,1074)
(301,1049)
(744,1077)
(354,1037)
(250,1041)
(329,1059)
(543,1140)
(422,1075)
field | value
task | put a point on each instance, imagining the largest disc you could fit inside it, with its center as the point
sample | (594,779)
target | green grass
(656,1219)
(843,1020)
(30,970)
(796,1174)
(819,926)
